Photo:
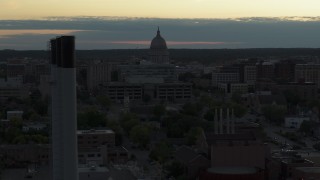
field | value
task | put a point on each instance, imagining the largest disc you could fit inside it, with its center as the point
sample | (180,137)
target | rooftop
(94,131)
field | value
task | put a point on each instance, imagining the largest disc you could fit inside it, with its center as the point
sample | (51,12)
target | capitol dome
(158,43)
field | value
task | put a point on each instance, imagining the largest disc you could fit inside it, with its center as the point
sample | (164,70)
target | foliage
(292,97)
(175,169)
(128,121)
(186,77)
(146,98)
(236,97)
(193,135)
(159,110)
(239,110)
(178,125)
(91,118)
(161,152)
(274,113)
(317,146)
(209,115)
(104,101)
(140,134)
(307,127)
(192,109)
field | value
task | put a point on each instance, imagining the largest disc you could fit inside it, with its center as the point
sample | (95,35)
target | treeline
(205,56)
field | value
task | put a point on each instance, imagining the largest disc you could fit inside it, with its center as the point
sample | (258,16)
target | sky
(114,24)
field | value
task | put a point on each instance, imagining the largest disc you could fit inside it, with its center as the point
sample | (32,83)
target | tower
(158,50)
(64,113)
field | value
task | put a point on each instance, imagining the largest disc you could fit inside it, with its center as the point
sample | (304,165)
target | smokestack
(228,121)
(221,121)
(216,131)
(64,125)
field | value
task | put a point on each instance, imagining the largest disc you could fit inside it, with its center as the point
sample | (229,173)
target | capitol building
(154,78)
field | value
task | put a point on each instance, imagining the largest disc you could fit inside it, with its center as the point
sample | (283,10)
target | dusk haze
(160,90)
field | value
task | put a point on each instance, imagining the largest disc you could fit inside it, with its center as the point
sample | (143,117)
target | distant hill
(202,55)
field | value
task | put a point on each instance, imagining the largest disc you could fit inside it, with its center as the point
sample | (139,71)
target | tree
(159,110)
(128,121)
(146,98)
(239,110)
(161,152)
(236,97)
(91,118)
(274,113)
(192,109)
(104,101)
(175,169)
(193,135)
(209,116)
(140,134)
(307,127)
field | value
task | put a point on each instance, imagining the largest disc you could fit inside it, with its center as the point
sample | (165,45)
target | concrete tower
(64,124)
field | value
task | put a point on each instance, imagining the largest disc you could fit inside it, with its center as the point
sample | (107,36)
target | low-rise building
(295,121)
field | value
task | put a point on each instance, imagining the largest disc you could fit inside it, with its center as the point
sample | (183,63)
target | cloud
(123,32)
(5,33)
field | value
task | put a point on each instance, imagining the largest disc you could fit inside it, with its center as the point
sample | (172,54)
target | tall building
(64,124)
(158,50)
(308,73)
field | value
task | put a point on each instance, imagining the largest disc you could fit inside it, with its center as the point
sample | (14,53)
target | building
(155,79)
(265,70)
(158,50)
(192,162)
(155,91)
(231,88)
(224,77)
(250,74)
(14,114)
(95,138)
(99,73)
(303,90)
(19,156)
(308,73)
(294,121)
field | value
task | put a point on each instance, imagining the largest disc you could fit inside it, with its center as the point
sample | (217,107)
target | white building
(34,127)
(295,121)
(14,114)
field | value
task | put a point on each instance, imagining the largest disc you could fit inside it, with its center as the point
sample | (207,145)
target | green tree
(91,118)
(159,110)
(209,116)
(192,109)
(140,134)
(193,135)
(161,152)
(239,110)
(307,127)
(274,113)
(128,121)
(104,101)
(236,97)
(175,169)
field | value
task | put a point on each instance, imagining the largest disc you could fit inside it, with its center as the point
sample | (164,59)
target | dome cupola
(158,43)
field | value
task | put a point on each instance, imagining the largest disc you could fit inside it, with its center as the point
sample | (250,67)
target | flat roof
(233,170)
(94,131)
(309,169)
